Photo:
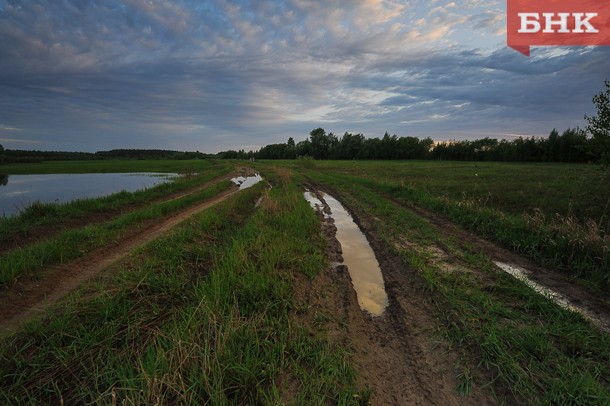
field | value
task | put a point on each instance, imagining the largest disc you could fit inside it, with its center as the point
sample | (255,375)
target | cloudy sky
(211,75)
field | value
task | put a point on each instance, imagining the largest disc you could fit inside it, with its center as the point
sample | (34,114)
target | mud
(398,355)
(357,254)
(595,305)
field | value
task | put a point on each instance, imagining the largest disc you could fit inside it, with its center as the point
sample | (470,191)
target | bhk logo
(557,22)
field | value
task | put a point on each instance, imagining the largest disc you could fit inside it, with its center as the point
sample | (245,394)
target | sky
(213,75)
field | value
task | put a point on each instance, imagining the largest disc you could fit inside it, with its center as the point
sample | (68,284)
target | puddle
(245,182)
(522,275)
(358,256)
(315,203)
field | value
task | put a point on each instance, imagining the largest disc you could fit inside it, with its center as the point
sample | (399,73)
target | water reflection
(245,182)
(522,274)
(23,190)
(358,256)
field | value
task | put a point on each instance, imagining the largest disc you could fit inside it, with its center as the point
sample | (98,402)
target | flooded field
(17,192)
(357,254)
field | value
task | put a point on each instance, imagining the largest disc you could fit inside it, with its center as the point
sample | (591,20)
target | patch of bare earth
(397,355)
(26,298)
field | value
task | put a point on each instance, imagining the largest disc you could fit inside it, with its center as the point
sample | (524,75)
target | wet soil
(398,355)
(27,297)
(595,304)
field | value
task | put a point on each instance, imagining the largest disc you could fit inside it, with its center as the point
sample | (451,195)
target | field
(198,293)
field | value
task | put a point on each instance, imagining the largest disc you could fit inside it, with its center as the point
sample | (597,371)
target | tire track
(27,298)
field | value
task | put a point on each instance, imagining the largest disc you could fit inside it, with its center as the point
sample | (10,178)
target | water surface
(17,192)
(245,182)
(358,256)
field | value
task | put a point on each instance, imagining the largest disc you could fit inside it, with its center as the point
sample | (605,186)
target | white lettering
(562,23)
(578,17)
(531,23)
(529,26)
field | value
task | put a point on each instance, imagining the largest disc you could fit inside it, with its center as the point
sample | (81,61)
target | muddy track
(26,298)
(596,305)
(396,354)
(43,232)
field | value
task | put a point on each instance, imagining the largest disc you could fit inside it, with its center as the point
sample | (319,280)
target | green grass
(556,214)
(203,315)
(529,346)
(73,243)
(57,215)
(110,166)
(200,316)
(578,190)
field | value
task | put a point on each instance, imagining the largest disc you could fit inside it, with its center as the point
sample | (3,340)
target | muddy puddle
(244,182)
(358,256)
(523,275)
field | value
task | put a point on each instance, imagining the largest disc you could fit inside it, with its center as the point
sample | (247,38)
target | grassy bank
(109,166)
(74,243)
(199,316)
(525,342)
(40,215)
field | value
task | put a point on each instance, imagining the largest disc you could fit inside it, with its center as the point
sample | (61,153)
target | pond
(17,192)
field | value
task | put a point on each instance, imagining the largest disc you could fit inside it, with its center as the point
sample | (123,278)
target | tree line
(572,145)
(26,156)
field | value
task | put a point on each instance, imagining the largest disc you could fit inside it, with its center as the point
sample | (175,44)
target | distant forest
(573,145)
(23,156)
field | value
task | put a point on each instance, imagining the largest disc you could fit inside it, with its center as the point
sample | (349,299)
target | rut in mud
(558,286)
(26,298)
(395,354)
(399,354)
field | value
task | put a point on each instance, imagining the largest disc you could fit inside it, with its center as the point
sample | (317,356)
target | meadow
(214,312)
(556,214)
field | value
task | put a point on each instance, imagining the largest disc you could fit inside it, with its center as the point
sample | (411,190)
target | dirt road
(395,354)
(27,298)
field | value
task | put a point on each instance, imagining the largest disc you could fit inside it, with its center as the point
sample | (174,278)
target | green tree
(599,126)
(291,149)
(1,153)
(322,144)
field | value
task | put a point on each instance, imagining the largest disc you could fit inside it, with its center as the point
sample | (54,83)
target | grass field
(541,352)
(557,214)
(208,314)
(109,166)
